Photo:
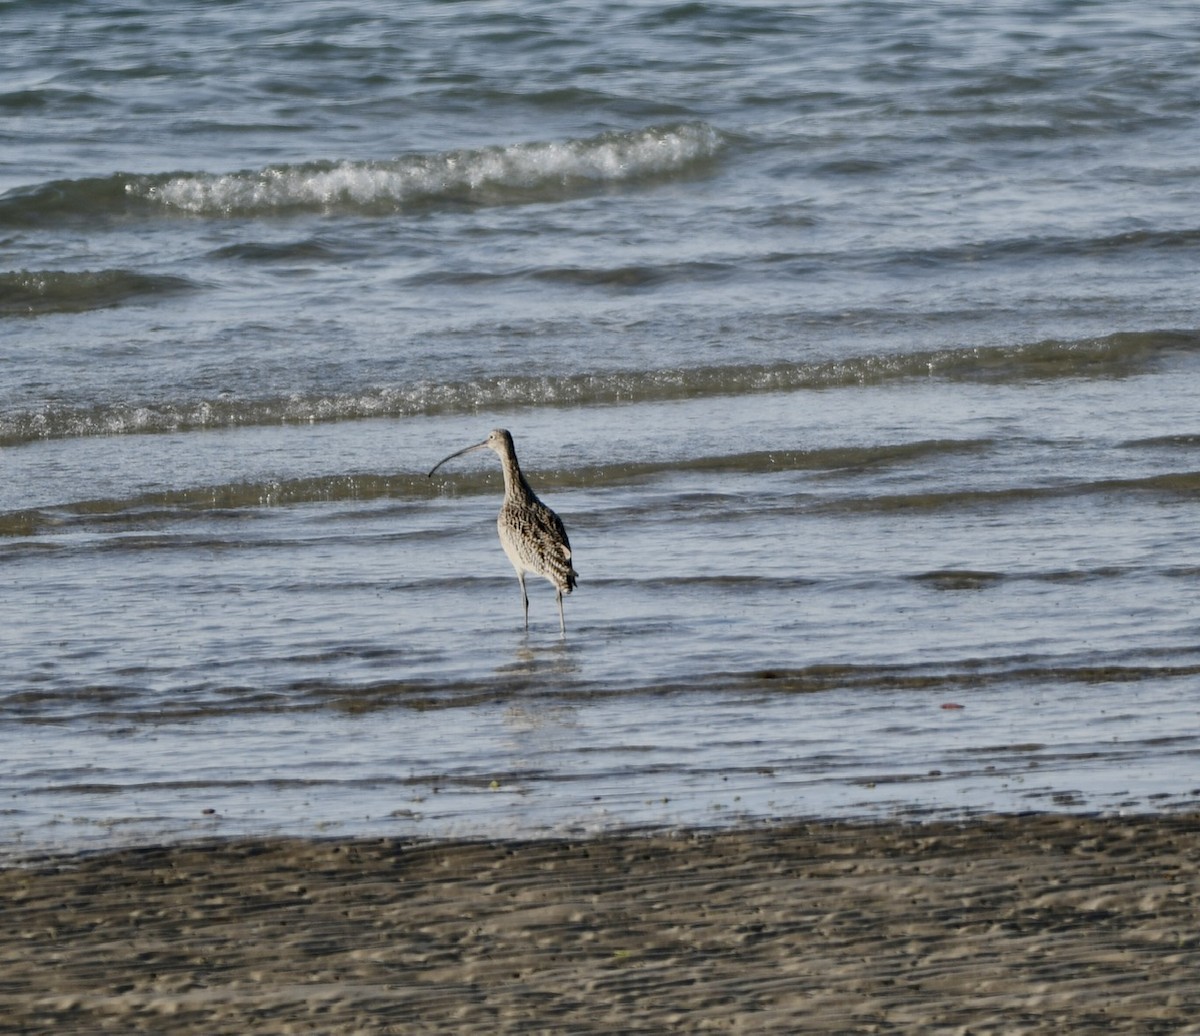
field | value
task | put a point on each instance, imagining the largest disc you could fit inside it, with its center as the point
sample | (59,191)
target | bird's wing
(560,533)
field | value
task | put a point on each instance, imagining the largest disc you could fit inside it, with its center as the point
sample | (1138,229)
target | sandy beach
(1046,924)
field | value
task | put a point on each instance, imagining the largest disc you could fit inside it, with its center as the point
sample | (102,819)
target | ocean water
(855,343)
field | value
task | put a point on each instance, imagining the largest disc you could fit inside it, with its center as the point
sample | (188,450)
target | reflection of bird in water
(531,534)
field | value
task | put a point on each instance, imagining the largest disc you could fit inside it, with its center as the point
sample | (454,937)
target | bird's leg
(562,623)
(524,597)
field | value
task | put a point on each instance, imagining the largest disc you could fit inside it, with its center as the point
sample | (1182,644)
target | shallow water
(855,344)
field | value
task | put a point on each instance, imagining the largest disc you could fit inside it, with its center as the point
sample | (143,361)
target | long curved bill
(469,449)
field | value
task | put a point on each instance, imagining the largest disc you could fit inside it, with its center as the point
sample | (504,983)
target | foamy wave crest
(498,175)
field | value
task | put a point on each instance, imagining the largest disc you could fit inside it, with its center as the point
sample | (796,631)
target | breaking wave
(512,174)
(1116,355)
(38,292)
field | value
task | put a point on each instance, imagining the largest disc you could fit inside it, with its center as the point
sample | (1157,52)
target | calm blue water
(855,343)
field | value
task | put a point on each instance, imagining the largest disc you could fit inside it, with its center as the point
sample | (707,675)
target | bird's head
(498,439)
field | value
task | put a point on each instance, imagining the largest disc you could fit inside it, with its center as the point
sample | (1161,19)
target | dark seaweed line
(190,504)
(68,706)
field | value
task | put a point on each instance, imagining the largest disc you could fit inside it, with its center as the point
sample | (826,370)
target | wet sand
(1045,924)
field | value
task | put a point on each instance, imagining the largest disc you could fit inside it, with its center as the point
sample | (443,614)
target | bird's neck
(515,486)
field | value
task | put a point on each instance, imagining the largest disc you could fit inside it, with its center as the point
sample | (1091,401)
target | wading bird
(531,534)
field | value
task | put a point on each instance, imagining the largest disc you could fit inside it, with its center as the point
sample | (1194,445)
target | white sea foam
(482,176)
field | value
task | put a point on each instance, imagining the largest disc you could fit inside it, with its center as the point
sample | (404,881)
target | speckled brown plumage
(532,535)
